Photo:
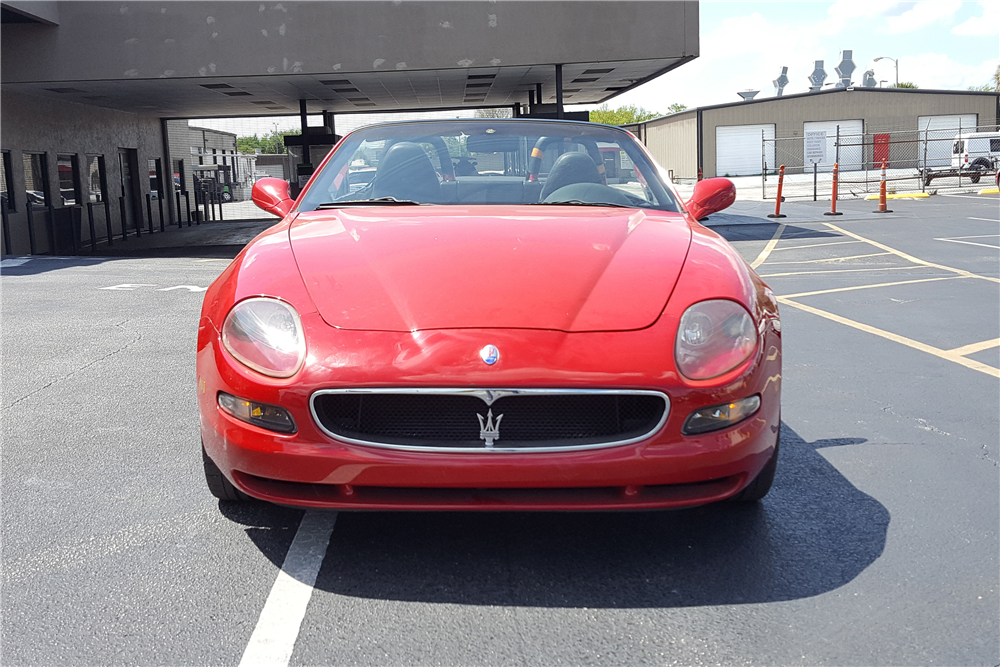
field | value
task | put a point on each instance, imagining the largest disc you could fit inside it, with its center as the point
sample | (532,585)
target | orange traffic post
(777,203)
(700,174)
(833,202)
(882,206)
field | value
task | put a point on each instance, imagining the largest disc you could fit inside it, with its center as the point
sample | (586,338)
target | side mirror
(271,195)
(710,196)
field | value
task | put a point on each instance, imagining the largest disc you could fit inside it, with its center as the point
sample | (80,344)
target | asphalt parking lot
(877,545)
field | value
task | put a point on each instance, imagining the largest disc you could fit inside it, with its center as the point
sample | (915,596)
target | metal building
(910,126)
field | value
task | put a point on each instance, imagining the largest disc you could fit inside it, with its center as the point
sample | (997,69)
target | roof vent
(780,82)
(748,94)
(817,77)
(845,69)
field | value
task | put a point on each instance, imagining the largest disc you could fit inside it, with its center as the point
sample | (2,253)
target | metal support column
(304,123)
(559,93)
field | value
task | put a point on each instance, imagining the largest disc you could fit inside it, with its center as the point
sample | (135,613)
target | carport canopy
(216,59)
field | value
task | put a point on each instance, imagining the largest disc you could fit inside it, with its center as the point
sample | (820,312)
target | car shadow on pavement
(765,232)
(812,534)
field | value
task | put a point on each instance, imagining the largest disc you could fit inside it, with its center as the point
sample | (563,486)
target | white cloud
(925,13)
(846,13)
(936,70)
(987,24)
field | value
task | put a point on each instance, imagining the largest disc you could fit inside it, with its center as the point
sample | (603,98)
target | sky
(943,44)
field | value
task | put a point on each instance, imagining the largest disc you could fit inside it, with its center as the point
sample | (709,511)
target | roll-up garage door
(851,157)
(936,134)
(738,149)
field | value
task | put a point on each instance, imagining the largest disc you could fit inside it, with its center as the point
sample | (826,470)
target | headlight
(714,337)
(265,335)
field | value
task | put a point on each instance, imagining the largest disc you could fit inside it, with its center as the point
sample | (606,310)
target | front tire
(761,484)
(218,485)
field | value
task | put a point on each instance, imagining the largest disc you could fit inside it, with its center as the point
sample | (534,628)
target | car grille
(477,420)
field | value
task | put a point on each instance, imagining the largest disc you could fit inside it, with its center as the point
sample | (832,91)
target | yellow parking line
(833,259)
(857,287)
(975,347)
(815,245)
(762,257)
(814,273)
(948,355)
(911,258)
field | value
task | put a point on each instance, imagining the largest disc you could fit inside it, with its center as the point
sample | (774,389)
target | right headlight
(265,335)
(713,338)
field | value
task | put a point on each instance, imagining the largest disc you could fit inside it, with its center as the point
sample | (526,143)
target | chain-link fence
(929,160)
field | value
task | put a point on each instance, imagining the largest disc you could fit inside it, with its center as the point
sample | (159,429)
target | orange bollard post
(833,202)
(777,203)
(700,174)
(882,206)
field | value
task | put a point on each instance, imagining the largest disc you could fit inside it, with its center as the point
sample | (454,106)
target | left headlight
(713,338)
(265,335)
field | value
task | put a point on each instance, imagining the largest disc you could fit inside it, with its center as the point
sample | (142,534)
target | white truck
(976,153)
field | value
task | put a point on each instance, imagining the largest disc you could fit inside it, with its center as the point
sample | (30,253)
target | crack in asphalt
(77,370)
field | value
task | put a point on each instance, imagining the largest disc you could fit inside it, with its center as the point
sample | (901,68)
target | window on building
(6,182)
(995,145)
(97,178)
(154,177)
(69,188)
(36,179)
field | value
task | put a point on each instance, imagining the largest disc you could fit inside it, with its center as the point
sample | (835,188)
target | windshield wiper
(390,201)
(580,202)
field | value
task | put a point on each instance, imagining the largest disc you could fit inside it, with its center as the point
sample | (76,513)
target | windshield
(489,162)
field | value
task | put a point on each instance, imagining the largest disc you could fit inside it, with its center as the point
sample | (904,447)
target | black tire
(759,487)
(227,197)
(218,485)
(980,166)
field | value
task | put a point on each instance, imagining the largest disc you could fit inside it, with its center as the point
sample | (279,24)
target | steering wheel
(538,152)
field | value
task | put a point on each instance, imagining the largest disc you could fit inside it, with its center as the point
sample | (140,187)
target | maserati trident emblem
(489,431)
(490,354)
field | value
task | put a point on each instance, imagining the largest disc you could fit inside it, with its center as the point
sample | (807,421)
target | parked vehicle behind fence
(976,152)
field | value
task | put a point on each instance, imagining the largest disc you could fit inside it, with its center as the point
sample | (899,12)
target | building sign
(815,147)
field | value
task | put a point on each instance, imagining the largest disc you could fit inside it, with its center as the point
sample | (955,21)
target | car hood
(409,268)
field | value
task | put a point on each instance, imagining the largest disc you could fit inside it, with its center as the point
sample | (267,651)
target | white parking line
(277,628)
(985,219)
(980,198)
(982,245)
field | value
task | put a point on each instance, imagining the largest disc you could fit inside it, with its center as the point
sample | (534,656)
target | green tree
(986,87)
(676,108)
(906,84)
(622,115)
(996,79)
(271,144)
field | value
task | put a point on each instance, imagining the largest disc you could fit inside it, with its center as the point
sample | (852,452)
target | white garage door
(936,135)
(738,149)
(851,157)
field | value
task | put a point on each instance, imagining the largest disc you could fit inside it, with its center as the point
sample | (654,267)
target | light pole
(895,62)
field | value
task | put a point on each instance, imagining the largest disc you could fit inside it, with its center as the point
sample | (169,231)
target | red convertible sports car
(548,327)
